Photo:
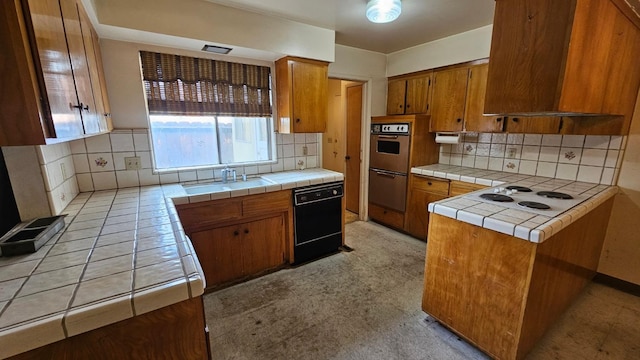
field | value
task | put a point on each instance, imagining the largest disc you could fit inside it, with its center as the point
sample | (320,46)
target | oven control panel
(394,129)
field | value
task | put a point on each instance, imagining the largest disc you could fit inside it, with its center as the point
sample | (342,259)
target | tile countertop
(520,224)
(122,253)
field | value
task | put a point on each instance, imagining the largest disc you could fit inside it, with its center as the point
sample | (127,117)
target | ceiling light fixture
(216,49)
(383,11)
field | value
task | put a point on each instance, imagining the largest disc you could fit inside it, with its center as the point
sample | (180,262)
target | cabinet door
(310,87)
(417,216)
(53,55)
(94,73)
(418,95)
(422,191)
(449,94)
(79,66)
(533,124)
(396,92)
(474,120)
(262,244)
(219,252)
(102,79)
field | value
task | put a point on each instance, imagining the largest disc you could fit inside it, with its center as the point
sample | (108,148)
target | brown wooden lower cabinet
(502,293)
(422,191)
(173,332)
(239,237)
(235,251)
(389,217)
(460,187)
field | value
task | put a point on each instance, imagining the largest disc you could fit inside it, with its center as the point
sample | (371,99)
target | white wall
(363,65)
(463,47)
(213,23)
(620,256)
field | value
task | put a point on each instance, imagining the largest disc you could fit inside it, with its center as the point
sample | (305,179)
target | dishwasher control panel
(317,193)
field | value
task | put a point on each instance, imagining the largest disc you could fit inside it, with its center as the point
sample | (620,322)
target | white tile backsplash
(589,158)
(95,155)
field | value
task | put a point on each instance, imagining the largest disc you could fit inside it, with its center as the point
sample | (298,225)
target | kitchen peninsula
(499,275)
(120,279)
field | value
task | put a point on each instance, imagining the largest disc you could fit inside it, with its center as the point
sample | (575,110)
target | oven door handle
(387,136)
(384,173)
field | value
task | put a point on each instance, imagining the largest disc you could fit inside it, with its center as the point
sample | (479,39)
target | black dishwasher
(317,216)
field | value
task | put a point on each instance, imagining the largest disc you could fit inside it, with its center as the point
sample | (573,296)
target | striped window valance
(183,85)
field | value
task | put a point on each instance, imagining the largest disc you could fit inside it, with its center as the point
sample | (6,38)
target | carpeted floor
(365,304)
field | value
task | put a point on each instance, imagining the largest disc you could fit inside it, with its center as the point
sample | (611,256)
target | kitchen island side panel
(476,283)
(502,293)
(564,265)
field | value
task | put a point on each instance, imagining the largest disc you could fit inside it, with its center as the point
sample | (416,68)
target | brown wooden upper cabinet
(302,87)
(51,85)
(565,57)
(409,94)
(458,98)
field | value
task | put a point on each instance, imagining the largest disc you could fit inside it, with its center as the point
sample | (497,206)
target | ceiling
(421,21)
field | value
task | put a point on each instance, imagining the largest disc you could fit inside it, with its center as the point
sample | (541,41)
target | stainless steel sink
(209,188)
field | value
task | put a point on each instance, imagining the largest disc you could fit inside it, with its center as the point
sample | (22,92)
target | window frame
(273,152)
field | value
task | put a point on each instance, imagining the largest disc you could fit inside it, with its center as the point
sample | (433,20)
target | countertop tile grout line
(84,269)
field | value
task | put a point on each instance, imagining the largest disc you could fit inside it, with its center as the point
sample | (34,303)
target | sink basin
(220,187)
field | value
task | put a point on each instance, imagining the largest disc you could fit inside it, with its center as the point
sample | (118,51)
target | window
(204,113)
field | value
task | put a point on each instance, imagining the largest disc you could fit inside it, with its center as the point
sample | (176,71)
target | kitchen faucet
(225,174)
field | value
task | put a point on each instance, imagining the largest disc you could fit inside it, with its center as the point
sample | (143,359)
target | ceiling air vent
(216,49)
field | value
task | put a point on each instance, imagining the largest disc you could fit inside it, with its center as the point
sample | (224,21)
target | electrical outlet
(305,150)
(63,170)
(132,163)
(511,153)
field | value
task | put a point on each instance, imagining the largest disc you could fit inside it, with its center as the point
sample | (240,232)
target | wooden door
(262,244)
(219,251)
(449,95)
(310,87)
(79,66)
(396,93)
(474,120)
(418,95)
(533,124)
(53,58)
(353,160)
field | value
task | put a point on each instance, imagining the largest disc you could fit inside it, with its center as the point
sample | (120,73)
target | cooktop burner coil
(554,195)
(497,197)
(519,188)
(534,205)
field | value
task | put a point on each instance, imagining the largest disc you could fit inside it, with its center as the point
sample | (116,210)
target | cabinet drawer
(266,203)
(386,216)
(460,187)
(209,212)
(429,184)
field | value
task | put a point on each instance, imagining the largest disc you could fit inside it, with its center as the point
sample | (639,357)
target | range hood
(564,58)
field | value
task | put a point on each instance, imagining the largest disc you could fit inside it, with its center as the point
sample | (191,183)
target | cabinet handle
(499,119)
(347,157)
(236,233)
(515,119)
(429,183)
(459,120)
(81,107)
(297,120)
(246,231)
(408,106)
